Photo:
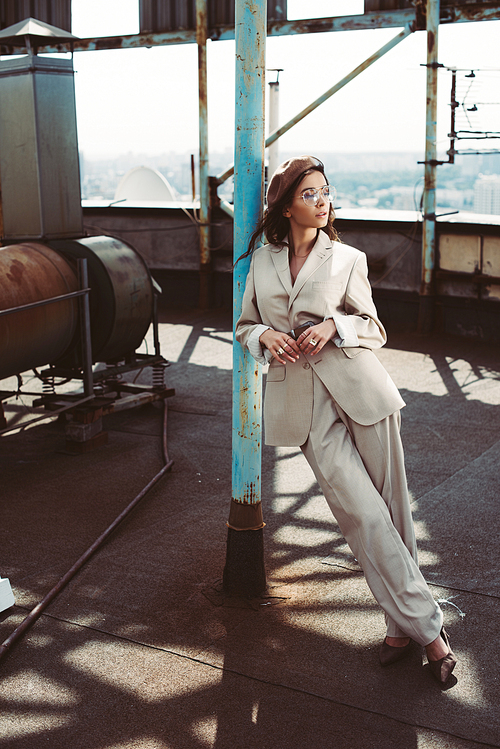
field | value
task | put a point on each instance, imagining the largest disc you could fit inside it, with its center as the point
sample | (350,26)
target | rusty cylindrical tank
(121,296)
(29,273)
(121,302)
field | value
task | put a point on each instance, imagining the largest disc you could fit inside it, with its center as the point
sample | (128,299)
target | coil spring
(158,376)
(48,386)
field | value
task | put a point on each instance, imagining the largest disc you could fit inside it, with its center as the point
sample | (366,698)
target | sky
(145,101)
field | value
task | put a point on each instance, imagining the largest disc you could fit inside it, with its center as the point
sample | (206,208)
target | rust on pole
(204,215)
(244,572)
(427,290)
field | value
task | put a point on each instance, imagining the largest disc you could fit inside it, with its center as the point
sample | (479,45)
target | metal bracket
(434,162)
(434,216)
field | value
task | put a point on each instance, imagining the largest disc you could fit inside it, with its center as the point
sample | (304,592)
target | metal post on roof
(204,226)
(274,118)
(244,572)
(427,290)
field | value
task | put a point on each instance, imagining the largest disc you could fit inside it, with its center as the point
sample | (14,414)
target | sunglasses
(311,196)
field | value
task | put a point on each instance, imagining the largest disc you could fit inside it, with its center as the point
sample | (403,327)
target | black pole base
(244,574)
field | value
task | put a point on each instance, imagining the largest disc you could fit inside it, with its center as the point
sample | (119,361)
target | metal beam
(204,225)
(274,120)
(381,20)
(426,307)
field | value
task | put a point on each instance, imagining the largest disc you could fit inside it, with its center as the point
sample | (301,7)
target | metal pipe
(83,277)
(193,179)
(274,118)
(333,90)
(156,335)
(426,305)
(205,261)
(453,107)
(35,614)
(43,302)
(244,570)
(227,208)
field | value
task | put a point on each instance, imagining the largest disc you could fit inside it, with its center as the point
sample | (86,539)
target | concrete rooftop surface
(142,651)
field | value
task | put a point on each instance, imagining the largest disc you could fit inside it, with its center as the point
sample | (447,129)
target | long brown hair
(275,227)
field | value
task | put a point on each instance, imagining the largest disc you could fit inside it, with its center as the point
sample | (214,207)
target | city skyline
(363,180)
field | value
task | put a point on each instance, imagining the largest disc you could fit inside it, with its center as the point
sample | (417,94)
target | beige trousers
(360,470)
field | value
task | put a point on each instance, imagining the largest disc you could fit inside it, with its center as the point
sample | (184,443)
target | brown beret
(286,174)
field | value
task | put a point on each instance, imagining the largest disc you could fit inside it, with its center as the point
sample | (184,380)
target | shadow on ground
(134,653)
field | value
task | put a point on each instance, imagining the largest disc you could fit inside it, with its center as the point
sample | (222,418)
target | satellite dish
(144,183)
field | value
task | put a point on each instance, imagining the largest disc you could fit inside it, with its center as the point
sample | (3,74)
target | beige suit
(333,281)
(342,409)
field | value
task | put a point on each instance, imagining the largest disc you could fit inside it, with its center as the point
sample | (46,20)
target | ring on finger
(313,342)
(281,350)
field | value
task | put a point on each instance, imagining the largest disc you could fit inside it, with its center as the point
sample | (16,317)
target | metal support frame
(244,571)
(273,137)
(427,290)
(204,216)
(463,13)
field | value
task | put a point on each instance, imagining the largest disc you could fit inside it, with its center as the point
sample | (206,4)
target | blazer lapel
(280,260)
(319,254)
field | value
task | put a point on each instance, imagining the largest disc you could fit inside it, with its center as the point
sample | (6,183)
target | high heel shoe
(389,654)
(442,668)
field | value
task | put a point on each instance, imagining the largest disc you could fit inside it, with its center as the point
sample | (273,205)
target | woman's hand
(312,340)
(281,346)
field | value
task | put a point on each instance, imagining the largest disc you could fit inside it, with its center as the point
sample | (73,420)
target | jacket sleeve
(360,309)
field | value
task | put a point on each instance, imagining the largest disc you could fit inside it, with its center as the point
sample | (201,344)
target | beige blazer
(332,282)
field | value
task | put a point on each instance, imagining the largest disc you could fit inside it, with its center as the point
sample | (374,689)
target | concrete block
(79,432)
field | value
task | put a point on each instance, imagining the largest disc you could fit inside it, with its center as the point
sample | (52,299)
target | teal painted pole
(429,239)
(244,572)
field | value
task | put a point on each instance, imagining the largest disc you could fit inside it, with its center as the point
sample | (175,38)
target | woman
(327,392)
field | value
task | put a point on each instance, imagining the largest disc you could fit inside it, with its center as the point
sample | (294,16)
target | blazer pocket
(327,285)
(276,373)
(352,351)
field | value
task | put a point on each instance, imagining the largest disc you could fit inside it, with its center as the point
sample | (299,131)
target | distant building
(490,163)
(487,194)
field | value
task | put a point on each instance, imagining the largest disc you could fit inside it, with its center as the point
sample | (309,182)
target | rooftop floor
(137,652)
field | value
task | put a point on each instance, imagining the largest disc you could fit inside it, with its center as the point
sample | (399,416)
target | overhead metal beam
(381,20)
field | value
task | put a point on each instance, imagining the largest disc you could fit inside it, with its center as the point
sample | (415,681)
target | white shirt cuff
(346,335)
(259,353)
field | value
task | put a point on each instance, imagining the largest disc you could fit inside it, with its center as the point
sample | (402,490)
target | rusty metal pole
(204,226)
(244,572)
(427,288)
